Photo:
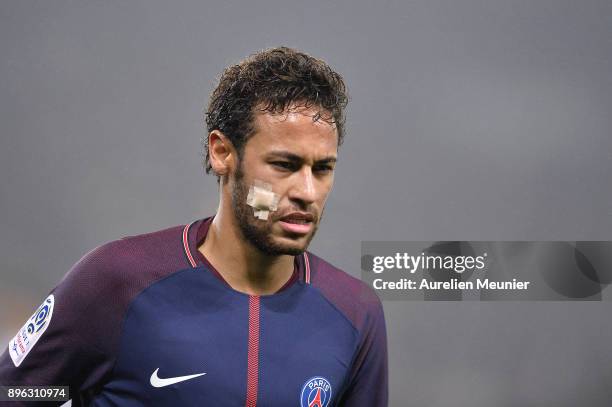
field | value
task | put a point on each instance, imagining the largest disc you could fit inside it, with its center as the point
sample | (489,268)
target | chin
(292,246)
(275,241)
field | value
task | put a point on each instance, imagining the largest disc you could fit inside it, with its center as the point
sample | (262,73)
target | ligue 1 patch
(316,392)
(28,335)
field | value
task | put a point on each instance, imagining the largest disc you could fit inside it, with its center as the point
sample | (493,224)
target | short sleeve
(368,379)
(68,339)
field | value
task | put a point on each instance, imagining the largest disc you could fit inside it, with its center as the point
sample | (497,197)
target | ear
(221,153)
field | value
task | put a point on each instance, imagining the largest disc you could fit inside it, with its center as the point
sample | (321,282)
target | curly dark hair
(274,80)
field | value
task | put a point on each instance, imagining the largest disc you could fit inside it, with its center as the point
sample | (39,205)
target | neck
(244,267)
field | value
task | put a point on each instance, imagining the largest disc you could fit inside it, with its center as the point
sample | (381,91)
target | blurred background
(469,120)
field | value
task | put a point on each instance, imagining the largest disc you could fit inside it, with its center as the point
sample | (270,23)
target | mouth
(297,222)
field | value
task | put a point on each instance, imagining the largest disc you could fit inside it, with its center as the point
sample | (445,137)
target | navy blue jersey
(147,321)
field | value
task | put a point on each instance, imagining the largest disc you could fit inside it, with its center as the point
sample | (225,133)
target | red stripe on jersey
(307,264)
(186,244)
(253,354)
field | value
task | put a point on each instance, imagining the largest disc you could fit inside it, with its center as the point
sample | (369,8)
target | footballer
(231,309)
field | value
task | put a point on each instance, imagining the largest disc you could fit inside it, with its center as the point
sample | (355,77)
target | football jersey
(147,321)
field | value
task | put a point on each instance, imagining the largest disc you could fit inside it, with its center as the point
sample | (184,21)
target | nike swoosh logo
(156,381)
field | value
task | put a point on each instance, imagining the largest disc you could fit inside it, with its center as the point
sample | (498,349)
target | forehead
(294,131)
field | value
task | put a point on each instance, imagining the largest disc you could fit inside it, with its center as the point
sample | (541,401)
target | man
(229,310)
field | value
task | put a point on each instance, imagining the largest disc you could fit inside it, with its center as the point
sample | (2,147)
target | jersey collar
(195,232)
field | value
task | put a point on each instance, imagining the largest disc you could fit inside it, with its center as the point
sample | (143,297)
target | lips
(298,218)
(297,222)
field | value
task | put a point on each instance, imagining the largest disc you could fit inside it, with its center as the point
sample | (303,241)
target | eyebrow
(296,158)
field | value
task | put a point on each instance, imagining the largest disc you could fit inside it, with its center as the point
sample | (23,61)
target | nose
(303,189)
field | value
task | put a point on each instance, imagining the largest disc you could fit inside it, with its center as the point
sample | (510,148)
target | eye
(285,165)
(323,169)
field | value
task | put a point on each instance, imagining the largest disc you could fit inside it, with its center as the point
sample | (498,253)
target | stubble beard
(256,231)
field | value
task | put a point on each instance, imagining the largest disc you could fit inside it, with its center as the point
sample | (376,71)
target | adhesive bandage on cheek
(262,199)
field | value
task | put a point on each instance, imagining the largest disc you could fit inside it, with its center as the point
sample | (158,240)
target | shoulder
(98,289)
(356,300)
(131,259)
(82,318)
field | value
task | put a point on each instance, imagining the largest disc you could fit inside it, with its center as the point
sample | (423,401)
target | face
(297,157)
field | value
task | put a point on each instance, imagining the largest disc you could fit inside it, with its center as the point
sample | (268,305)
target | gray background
(469,120)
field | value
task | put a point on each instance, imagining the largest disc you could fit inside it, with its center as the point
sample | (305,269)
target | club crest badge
(28,335)
(316,392)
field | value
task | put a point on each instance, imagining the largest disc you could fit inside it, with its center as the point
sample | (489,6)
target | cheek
(326,189)
(252,173)
(263,172)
